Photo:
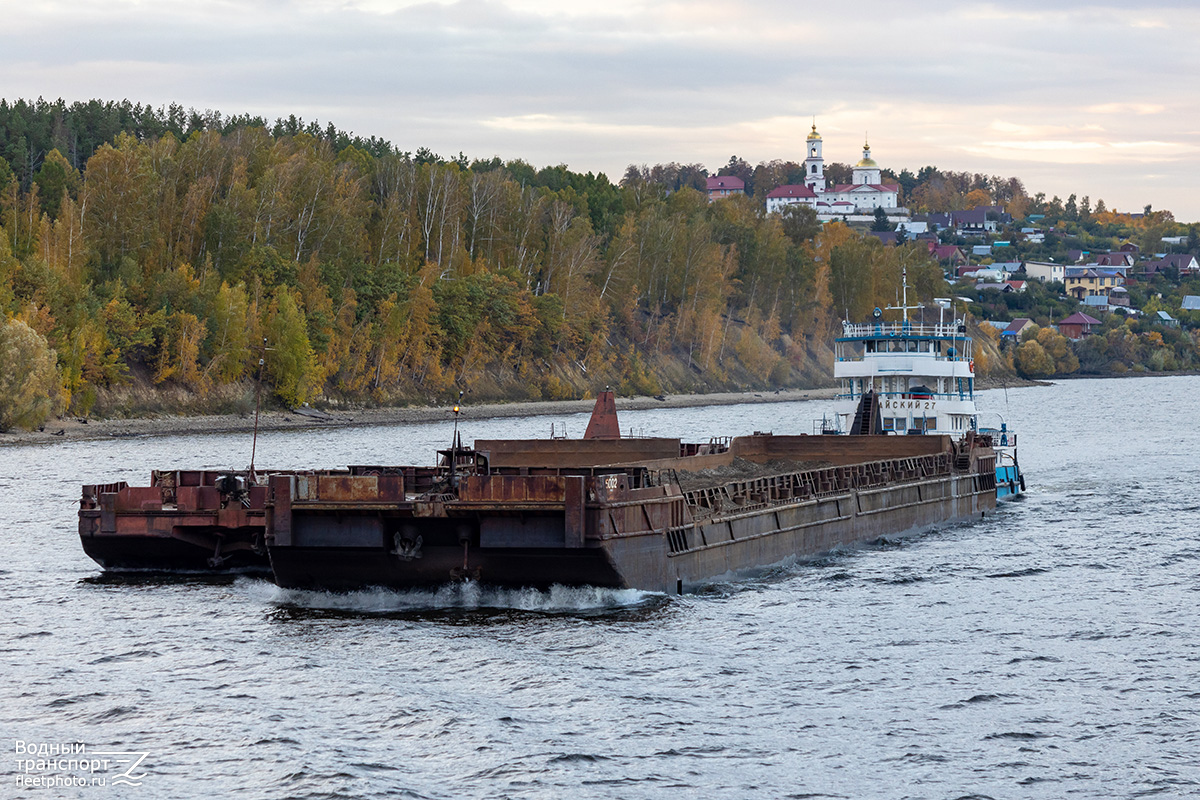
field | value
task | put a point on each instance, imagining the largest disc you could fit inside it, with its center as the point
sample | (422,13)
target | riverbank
(84,430)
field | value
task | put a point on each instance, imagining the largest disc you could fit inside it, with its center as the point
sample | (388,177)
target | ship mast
(904,307)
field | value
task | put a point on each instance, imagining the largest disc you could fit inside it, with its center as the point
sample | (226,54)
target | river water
(1050,651)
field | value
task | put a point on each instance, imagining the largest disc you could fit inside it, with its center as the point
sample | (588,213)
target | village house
(1033,235)
(980,221)
(1015,328)
(939,221)
(1163,318)
(724,186)
(1045,271)
(1183,262)
(1083,283)
(1077,325)
(913,229)
(1114,259)
(946,253)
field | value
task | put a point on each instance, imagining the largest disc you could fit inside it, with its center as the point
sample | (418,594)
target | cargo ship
(657,514)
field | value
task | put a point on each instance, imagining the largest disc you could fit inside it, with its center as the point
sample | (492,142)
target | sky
(1087,98)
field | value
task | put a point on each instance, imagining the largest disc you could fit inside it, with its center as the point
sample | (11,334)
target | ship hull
(515,533)
(651,514)
(181,523)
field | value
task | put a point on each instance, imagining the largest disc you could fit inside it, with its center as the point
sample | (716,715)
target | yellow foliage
(755,354)
(29,380)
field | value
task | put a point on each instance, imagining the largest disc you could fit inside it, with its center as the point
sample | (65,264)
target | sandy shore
(78,430)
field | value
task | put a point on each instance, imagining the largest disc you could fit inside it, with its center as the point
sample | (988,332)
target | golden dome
(867,161)
(814,134)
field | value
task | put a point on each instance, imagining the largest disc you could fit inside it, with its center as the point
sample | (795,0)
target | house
(913,229)
(940,221)
(947,252)
(1033,235)
(724,186)
(1077,325)
(1083,283)
(783,196)
(887,237)
(1191,302)
(1163,318)
(1017,286)
(1015,329)
(1129,247)
(1115,259)
(1185,263)
(1045,271)
(1121,270)
(981,250)
(1096,302)
(973,223)
(1119,297)
(1176,240)
(1075,256)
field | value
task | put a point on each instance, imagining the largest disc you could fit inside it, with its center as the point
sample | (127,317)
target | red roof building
(724,186)
(1077,325)
(784,196)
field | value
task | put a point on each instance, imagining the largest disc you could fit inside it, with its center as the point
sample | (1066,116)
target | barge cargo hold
(656,514)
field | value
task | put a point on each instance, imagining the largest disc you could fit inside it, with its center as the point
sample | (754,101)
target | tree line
(365,274)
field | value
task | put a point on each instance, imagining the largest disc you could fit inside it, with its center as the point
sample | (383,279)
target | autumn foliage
(395,277)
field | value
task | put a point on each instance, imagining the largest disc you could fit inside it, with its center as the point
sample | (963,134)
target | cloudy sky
(1094,98)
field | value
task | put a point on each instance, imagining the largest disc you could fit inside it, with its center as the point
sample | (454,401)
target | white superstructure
(922,374)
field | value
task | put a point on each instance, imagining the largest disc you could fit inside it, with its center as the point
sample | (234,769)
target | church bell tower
(814,163)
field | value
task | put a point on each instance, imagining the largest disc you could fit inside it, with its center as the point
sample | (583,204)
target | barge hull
(621,529)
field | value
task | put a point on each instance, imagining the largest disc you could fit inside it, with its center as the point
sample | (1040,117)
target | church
(860,197)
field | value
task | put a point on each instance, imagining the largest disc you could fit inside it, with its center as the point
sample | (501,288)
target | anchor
(407,548)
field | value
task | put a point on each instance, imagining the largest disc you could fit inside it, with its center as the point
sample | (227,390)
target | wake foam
(466,596)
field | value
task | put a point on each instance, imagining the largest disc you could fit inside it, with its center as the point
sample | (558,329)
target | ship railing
(755,493)
(1001,437)
(739,498)
(907,396)
(875,329)
(924,357)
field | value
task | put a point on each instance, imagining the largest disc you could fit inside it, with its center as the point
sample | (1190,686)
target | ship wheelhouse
(922,374)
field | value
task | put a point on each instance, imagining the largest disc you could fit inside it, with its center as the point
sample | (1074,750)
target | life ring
(971,366)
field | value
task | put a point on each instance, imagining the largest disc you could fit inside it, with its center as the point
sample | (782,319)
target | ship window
(889,424)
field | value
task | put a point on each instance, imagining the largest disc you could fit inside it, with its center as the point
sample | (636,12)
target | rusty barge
(650,513)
